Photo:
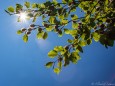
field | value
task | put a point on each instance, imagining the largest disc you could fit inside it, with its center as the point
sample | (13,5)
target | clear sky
(22,64)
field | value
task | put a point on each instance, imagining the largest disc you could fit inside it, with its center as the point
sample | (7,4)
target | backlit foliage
(98,24)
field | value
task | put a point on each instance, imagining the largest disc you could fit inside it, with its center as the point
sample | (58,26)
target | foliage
(98,24)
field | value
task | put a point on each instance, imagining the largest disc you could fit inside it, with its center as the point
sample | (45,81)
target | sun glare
(23,16)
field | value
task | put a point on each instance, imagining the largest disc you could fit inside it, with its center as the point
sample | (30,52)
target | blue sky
(22,64)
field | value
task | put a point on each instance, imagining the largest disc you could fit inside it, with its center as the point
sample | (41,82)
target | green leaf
(59,65)
(11,9)
(73,60)
(102,39)
(83,21)
(74,54)
(83,36)
(19,32)
(60,34)
(49,28)
(66,60)
(96,36)
(89,41)
(27,4)
(64,1)
(49,64)
(25,38)
(47,3)
(79,48)
(73,32)
(66,15)
(106,2)
(73,57)
(45,35)
(57,70)
(55,1)
(73,9)
(83,43)
(42,5)
(52,53)
(34,5)
(40,35)
(69,41)
(64,22)
(74,17)
(61,17)
(58,48)
(30,15)
(34,19)
(85,8)
(110,43)
(67,31)
(51,19)
(18,7)
(75,25)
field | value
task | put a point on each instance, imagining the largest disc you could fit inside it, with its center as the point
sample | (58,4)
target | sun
(23,16)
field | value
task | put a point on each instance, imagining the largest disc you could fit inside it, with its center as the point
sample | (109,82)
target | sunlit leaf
(59,65)
(49,64)
(67,31)
(57,70)
(73,32)
(52,53)
(74,17)
(64,21)
(96,36)
(18,7)
(25,38)
(27,4)
(73,57)
(74,25)
(83,43)
(51,19)
(19,32)
(40,35)
(64,1)
(58,48)
(34,5)
(42,5)
(10,9)
(49,28)
(61,17)
(45,35)
(55,1)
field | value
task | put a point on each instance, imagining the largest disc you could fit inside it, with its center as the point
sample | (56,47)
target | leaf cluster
(98,24)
